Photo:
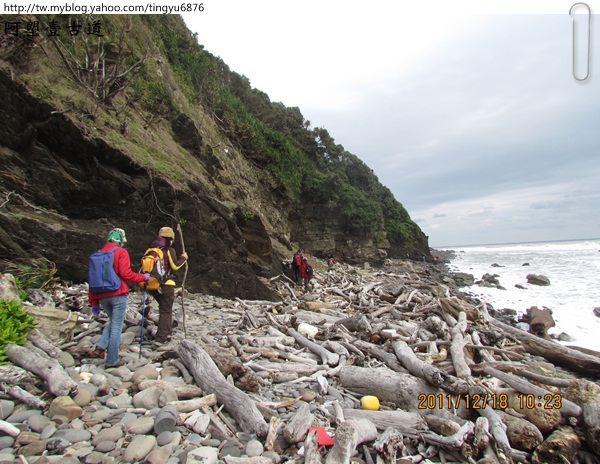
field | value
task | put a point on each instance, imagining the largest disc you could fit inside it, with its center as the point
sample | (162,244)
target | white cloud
(475,123)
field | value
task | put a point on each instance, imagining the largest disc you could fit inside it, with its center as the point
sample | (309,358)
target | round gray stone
(73,435)
(230,450)
(164,438)
(166,419)
(111,434)
(254,448)
(103,414)
(21,416)
(37,422)
(6,408)
(6,442)
(48,431)
(139,448)
(141,425)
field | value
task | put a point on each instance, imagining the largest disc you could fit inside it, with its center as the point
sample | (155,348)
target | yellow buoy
(369,402)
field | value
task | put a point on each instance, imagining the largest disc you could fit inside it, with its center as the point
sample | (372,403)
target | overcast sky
(471,117)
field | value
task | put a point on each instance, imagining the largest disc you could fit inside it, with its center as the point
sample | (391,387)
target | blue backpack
(102,276)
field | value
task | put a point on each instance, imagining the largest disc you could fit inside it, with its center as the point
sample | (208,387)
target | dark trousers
(296,274)
(165,300)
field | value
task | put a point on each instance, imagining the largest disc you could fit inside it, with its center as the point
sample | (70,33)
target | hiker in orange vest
(165,295)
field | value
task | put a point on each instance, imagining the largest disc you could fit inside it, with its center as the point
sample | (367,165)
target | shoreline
(569,268)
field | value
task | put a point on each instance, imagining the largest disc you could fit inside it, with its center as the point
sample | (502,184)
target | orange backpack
(153,263)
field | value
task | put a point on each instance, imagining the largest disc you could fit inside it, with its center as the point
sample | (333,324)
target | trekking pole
(183,280)
(143,313)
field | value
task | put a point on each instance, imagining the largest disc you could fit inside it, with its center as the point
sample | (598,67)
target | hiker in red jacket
(306,273)
(114,303)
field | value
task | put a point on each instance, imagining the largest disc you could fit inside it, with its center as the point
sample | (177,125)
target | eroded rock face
(63,188)
(65,192)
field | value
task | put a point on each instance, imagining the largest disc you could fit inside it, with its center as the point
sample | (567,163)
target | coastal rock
(158,456)
(73,435)
(141,425)
(64,406)
(597,311)
(8,288)
(536,279)
(6,408)
(463,279)
(111,434)
(539,320)
(147,399)
(37,422)
(254,448)
(565,337)
(489,280)
(166,420)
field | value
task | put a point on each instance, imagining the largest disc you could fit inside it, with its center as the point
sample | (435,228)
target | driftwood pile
(455,384)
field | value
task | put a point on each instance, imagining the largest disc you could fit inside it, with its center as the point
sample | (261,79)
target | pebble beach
(138,413)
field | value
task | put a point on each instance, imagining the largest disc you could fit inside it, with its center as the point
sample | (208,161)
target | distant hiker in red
(306,273)
(331,264)
(296,265)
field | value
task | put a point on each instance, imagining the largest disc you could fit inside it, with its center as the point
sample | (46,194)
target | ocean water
(573,268)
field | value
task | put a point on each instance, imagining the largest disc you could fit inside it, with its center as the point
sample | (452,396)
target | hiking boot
(120,363)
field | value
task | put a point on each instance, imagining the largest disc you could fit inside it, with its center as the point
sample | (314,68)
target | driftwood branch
(327,357)
(209,378)
(185,271)
(426,371)
(348,436)
(35,360)
(521,385)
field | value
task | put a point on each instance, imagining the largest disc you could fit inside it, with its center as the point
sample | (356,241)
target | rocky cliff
(70,171)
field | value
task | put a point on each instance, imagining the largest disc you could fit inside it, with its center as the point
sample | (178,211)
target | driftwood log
(297,428)
(426,371)
(183,391)
(194,404)
(348,436)
(400,420)
(398,336)
(560,447)
(15,375)
(327,357)
(521,385)
(37,361)
(402,390)
(24,396)
(209,378)
(521,433)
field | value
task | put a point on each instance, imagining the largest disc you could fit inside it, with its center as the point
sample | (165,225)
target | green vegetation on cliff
(306,160)
(130,88)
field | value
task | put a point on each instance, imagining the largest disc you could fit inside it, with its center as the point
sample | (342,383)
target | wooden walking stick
(183,280)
